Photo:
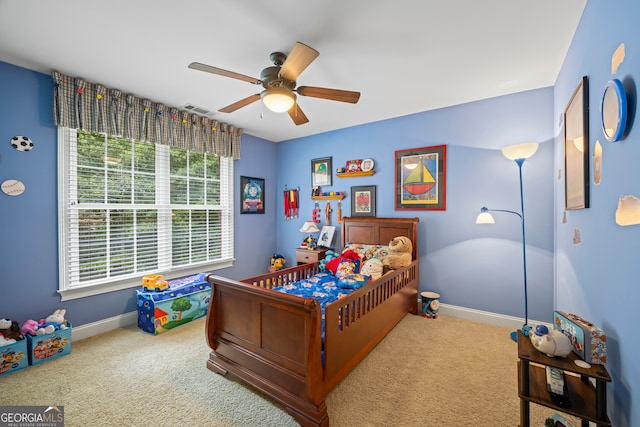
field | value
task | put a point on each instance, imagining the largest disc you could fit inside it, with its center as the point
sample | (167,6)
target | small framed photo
(363,200)
(326,236)
(252,196)
(353,165)
(321,172)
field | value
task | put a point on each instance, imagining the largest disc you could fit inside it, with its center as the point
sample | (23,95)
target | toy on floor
(277,262)
(53,322)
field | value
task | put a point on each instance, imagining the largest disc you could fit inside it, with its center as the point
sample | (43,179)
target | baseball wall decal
(12,187)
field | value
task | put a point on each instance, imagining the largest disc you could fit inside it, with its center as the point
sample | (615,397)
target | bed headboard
(379,231)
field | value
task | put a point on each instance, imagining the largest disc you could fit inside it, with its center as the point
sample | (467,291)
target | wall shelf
(336,197)
(355,174)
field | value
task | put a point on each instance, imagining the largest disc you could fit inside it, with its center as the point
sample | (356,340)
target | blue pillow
(353,281)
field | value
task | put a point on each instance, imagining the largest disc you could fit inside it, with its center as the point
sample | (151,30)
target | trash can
(430,304)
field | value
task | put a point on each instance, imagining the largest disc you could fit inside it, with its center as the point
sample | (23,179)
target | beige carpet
(426,372)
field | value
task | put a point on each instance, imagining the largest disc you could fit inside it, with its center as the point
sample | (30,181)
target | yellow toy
(154,282)
(277,262)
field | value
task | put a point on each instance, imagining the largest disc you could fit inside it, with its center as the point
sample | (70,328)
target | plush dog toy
(277,262)
(400,250)
(551,342)
(10,330)
(30,327)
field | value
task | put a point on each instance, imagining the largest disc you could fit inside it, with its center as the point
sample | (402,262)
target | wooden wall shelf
(336,197)
(355,174)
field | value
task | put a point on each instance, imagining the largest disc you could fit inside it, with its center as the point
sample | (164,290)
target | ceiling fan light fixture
(278,99)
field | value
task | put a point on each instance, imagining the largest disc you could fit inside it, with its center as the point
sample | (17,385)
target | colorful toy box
(43,348)
(13,357)
(587,340)
(186,299)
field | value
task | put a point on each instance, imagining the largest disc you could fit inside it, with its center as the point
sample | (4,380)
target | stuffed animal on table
(400,250)
(551,342)
(10,330)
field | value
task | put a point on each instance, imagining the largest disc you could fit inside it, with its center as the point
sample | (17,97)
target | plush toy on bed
(400,249)
(328,256)
(372,267)
(347,263)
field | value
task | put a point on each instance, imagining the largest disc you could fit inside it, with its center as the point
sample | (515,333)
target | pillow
(372,267)
(368,251)
(353,281)
(347,267)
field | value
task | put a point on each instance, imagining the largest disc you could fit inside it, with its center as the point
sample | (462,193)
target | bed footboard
(270,340)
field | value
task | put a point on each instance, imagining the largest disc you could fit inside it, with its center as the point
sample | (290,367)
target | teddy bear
(10,330)
(400,250)
(53,322)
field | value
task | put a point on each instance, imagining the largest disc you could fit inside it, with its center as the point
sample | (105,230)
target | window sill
(89,291)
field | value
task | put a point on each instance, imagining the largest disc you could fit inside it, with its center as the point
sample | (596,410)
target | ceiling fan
(279,84)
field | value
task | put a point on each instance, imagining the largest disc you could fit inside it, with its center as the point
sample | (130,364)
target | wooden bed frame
(273,341)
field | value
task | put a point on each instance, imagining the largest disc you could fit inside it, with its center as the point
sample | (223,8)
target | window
(129,208)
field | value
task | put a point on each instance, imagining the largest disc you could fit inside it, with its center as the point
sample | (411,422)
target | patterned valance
(78,104)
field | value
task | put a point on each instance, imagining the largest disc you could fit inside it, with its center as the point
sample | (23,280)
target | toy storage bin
(43,348)
(13,357)
(186,299)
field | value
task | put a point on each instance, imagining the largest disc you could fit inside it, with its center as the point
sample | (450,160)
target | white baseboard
(487,317)
(104,325)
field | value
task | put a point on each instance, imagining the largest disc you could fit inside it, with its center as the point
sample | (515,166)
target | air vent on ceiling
(197,110)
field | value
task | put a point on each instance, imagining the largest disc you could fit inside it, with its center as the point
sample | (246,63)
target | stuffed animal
(277,262)
(551,342)
(400,250)
(10,330)
(372,267)
(4,341)
(30,327)
(53,322)
(345,256)
(328,256)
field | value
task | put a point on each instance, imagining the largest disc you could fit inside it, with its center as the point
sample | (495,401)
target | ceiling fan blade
(331,94)
(242,103)
(219,71)
(300,57)
(297,115)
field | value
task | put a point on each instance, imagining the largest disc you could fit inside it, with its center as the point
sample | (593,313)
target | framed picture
(363,200)
(252,196)
(326,236)
(576,148)
(321,171)
(420,175)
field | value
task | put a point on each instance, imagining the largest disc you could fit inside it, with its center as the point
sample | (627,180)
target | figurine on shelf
(315,191)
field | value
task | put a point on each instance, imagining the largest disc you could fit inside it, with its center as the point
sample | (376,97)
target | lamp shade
(485,218)
(278,99)
(309,227)
(520,151)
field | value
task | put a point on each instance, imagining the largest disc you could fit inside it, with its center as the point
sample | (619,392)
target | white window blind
(129,208)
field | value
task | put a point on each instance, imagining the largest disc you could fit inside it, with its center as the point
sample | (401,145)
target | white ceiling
(404,56)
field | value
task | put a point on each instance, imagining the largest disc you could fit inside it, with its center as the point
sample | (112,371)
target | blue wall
(28,223)
(478,267)
(598,279)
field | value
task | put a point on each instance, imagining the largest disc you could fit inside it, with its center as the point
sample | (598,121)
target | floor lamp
(518,153)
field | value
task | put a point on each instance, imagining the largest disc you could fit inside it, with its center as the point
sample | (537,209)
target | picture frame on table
(576,148)
(363,200)
(321,171)
(252,195)
(420,178)
(326,236)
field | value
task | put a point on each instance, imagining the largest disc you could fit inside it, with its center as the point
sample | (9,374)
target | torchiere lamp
(518,153)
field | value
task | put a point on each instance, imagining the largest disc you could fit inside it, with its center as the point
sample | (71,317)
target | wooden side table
(305,256)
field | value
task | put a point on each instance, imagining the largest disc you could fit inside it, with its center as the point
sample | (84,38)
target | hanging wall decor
(12,187)
(21,143)
(321,172)
(252,196)
(420,178)
(576,148)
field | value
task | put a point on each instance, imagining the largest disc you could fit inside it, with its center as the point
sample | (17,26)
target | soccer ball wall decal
(21,143)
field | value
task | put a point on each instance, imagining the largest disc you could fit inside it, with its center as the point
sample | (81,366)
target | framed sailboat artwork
(420,175)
